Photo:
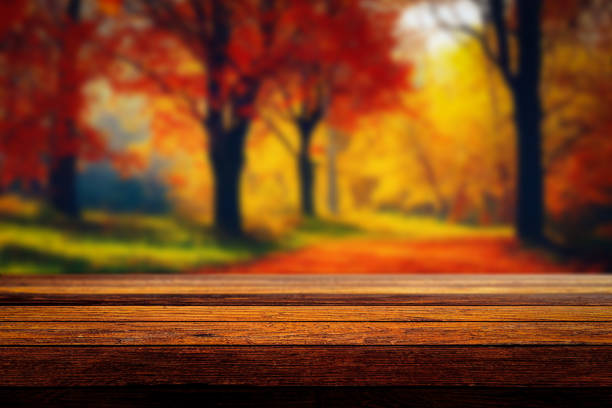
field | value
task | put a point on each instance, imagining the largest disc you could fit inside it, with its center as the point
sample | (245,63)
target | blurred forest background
(305,136)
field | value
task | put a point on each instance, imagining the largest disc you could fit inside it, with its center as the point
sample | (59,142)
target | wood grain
(351,330)
(554,366)
(307,284)
(357,313)
(304,333)
(312,299)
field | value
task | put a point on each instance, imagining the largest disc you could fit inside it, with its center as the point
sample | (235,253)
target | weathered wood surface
(550,366)
(265,299)
(357,313)
(349,330)
(309,284)
(303,290)
(304,333)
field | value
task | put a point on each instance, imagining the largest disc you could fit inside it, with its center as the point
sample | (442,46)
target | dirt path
(481,255)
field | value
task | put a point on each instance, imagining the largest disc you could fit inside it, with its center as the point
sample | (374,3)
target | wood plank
(413,330)
(305,284)
(306,279)
(305,333)
(553,366)
(228,299)
(305,397)
(305,313)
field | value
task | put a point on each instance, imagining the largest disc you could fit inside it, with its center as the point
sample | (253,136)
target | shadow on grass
(23,260)
(104,243)
(327,228)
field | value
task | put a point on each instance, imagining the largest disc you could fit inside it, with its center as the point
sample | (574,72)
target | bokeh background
(321,136)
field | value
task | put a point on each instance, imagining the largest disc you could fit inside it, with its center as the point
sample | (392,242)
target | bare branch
(558,106)
(501,33)
(165,15)
(472,33)
(564,147)
(291,113)
(159,80)
(278,133)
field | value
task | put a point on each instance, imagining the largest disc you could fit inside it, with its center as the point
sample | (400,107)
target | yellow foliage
(448,150)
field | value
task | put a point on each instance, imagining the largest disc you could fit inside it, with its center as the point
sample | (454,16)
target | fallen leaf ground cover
(454,255)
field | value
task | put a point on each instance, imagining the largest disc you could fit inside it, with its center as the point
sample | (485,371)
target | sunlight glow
(430,19)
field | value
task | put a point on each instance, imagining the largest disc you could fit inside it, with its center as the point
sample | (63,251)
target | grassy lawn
(397,225)
(103,243)
(114,244)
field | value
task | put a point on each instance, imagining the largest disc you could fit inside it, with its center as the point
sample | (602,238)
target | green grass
(110,243)
(314,230)
(115,244)
(395,225)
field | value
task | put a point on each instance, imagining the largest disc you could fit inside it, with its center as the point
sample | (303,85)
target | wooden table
(427,340)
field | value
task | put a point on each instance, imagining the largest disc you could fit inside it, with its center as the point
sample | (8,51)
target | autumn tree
(43,73)
(63,165)
(512,38)
(517,26)
(22,78)
(245,51)
(341,67)
(235,46)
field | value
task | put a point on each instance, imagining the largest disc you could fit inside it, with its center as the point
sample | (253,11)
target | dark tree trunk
(63,168)
(306,168)
(62,186)
(226,155)
(528,117)
(524,83)
(306,184)
(530,202)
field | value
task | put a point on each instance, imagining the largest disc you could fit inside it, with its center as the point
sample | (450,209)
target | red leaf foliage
(46,57)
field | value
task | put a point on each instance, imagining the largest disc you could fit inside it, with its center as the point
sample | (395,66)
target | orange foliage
(43,78)
(340,61)
(42,90)
(110,7)
(482,255)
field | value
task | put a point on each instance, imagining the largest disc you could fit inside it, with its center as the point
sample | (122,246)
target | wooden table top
(366,330)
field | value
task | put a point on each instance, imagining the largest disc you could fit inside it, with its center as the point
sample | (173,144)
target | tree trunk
(226,155)
(528,116)
(430,174)
(332,172)
(62,186)
(306,173)
(530,206)
(306,168)
(63,169)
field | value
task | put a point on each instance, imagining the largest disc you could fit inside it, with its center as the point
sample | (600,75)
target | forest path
(453,255)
